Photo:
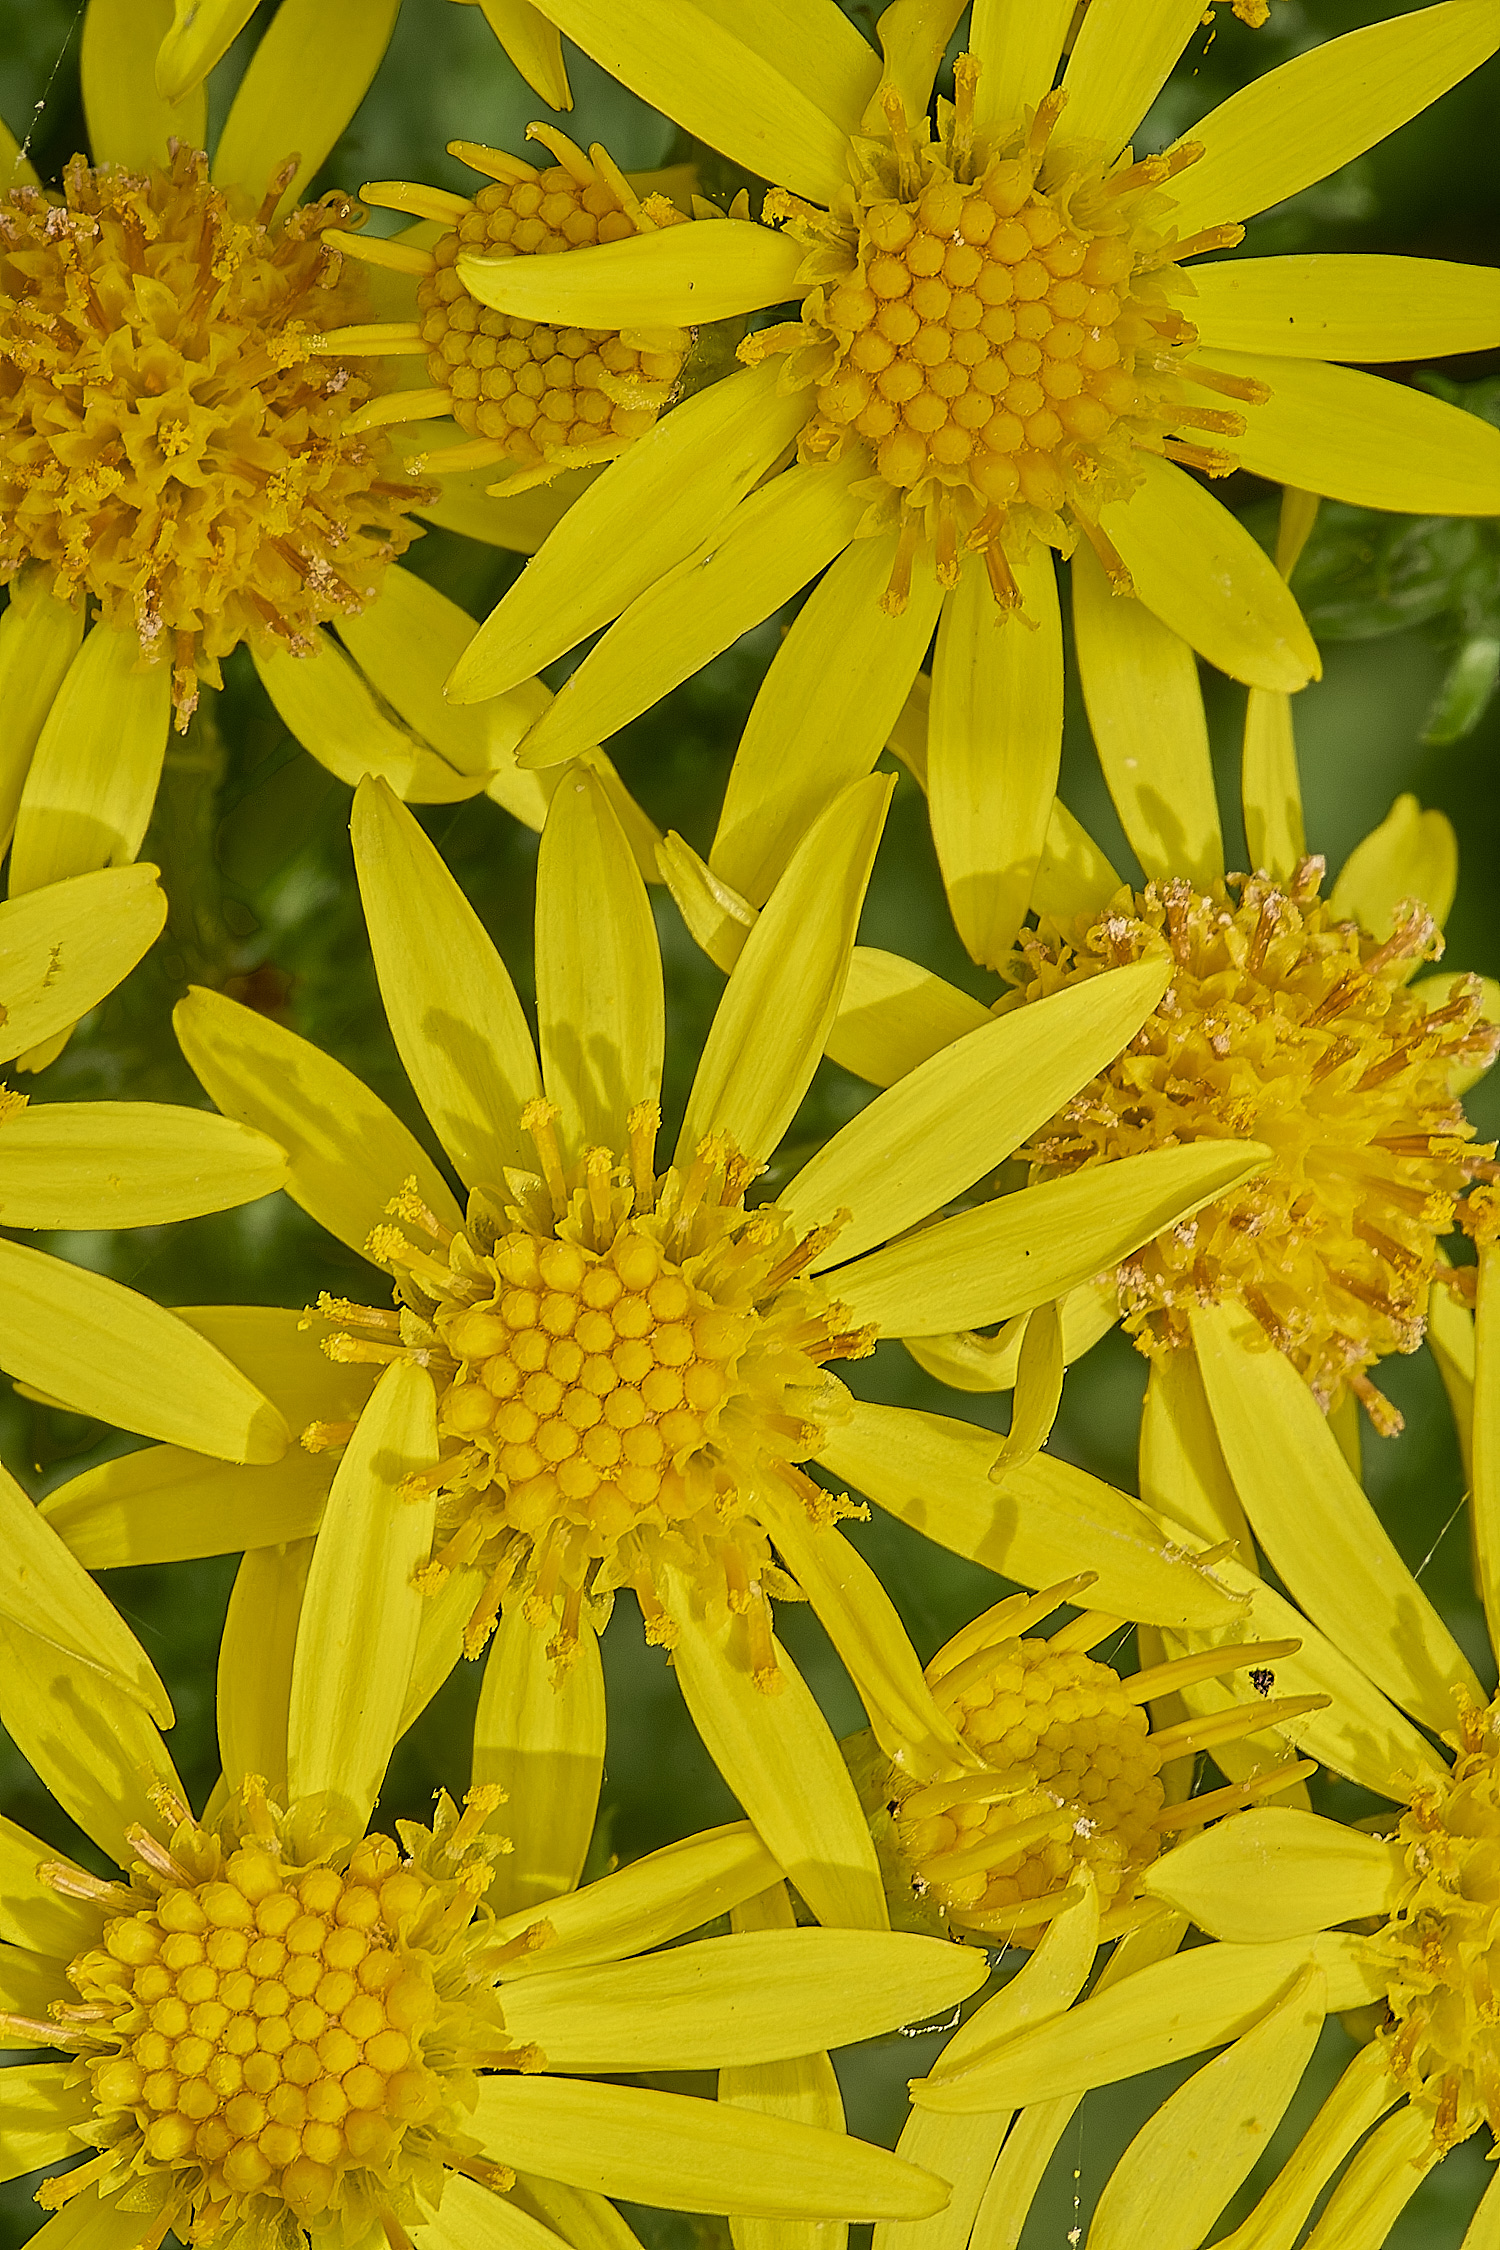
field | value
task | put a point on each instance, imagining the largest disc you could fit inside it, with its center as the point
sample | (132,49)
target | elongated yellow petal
(357,1634)
(88,2223)
(968,1361)
(544,1745)
(1450,1339)
(648,1903)
(114,1354)
(994,738)
(780,97)
(1484,2228)
(804,2088)
(16,169)
(307,77)
(1321,1534)
(1276,1873)
(63,948)
(534,45)
(1017,50)
(1325,107)
(1177,2008)
(1201,572)
(1379,2183)
(598,971)
(32,1914)
(759,558)
(202,32)
(1023,1249)
(1046,1521)
(39,638)
(746,1998)
(774,1749)
(1140,683)
(96,1750)
(92,782)
(913,36)
(441,1627)
(1073,876)
(1121,59)
(1313,307)
(719,919)
(255,1662)
(471,2217)
(958,1115)
(674,277)
(1362,2094)
(29,1984)
(1192,2153)
(694,2156)
(347,1153)
(129,1164)
(407,641)
(652,507)
(768,1034)
(895,1014)
(1182,1469)
(40,2109)
(1270,788)
(45,1590)
(824,712)
(453,1011)
(1053,1977)
(1485,1436)
(330,709)
(128,121)
(1411,855)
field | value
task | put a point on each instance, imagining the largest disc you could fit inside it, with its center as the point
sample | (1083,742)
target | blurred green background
(251,836)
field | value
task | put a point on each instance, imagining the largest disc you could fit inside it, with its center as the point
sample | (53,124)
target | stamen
(327,1437)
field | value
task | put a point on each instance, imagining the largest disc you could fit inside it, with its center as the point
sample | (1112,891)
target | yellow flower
(278,2026)
(999,352)
(629,1366)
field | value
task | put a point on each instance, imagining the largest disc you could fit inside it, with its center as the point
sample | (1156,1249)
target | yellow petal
(29,1984)
(718,918)
(1040,1367)
(1192,2153)
(88,2223)
(534,45)
(1361,2094)
(687,2155)
(441,1627)
(1121,59)
(1182,1468)
(347,1153)
(40,2109)
(1046,1521)
(804,2088)
(78,1336)
(1485,1439)
(544,1745)
(774,1749)
(747,1998)
(63,948)
(96,1750)
(361,1612)
(202,32)
(1276,1873)
(32,1914)
(1048,1983)
(652,507)
(128,1164)
(777,88)
(675,277)
(1325,107)
(453,1011)
(1319,1531)
(646,1904)
(598,971)
(1346,308)
(39,638)
(1270,787)
(1140,684)
(1484,2228)
(308,75)
(1198,568)
(1073,876)
(1021,1249)
(1017,50)
(128,122)
(45,1590)
(1380,2182)
(759,558)
(1204,1998)
(255,1662)
(92,783)
(470,500)
(957,1116)
(1363,439)
(768,1034)
(1450,1339)
(969,1361)
(1411,855)
(895,1014)
(330,709)
(406,642)
(471,2217)
(15,169)
(825,709)
(994,738)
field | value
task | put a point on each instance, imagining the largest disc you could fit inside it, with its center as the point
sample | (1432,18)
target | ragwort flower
(632,1365)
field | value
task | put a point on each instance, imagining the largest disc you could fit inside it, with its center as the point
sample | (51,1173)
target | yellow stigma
(1443,2039)
(168,447)
(621,1361)
(285,2040)
(1000,334)
(1284,1026)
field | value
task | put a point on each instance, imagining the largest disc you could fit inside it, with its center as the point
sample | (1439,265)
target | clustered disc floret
(626,1363)
(1286,1026)
(168,446)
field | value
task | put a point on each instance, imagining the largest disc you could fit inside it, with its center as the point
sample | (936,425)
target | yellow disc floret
(1285,1026)
(168,446)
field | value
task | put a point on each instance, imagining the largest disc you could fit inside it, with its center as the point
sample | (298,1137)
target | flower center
(1283,1026)
(1443,2041)
(167,445)
(1000,334)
